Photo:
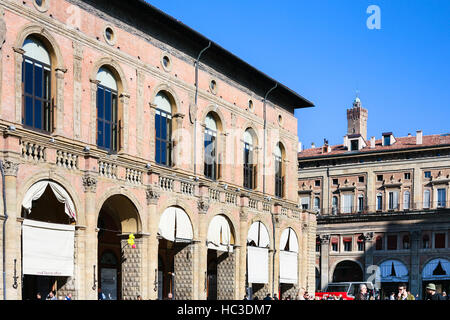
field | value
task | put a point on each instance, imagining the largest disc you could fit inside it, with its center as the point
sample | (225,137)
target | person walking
(432,294)
(68,297)
(51,296)
(403,294)
(267,297)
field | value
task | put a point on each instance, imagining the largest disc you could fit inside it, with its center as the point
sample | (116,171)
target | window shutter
(119,136)
(254,176)
(52,115)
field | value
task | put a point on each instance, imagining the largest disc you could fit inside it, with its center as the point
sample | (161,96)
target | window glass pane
(108,105)
(28,80)
(38,85)
(46,84)
(163,128)
(100,103)
(158,151)
(107,135)
(29,111)
(163,152)
(114,108)
(100,134)
(38,114)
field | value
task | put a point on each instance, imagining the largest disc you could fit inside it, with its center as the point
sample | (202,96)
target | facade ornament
(89,183)
(192,112)
(152,195)
(10,168)
(368,236)
(2,29)
(203,206)
(324,239)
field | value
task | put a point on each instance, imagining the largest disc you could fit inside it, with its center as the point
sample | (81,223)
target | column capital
(10,167)
(89,183)
(324,239)
(152,195)
(203,206)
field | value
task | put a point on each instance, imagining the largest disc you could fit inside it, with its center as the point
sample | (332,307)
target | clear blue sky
(323,50)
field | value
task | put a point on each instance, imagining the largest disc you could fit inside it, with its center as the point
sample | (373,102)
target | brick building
(142,158)
(382,205)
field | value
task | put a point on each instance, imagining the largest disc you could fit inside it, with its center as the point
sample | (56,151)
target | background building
(381,203)
(140,158)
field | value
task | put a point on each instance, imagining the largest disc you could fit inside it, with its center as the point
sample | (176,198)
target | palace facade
(140,158)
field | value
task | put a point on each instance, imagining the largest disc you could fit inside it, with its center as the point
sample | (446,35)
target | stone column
(202,249)
(77,89)
(131,268)
(13,232)
(91,243)
(324,259)
(153,242)
(415,277)
(93,117)
(368,254)
(184,272)
(226,275)
(242,269)
(59,101)
(124,99)
(18,61)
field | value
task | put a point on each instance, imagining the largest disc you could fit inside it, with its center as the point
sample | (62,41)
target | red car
(346,290)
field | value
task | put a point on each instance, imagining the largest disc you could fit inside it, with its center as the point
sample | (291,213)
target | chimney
(372,143)
(409,135)
(299,146)
(313,145)
(419,137)
(346,142)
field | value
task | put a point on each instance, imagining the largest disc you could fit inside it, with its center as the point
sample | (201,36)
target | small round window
(109,35)
(213,86)
(41,5)
(166,62)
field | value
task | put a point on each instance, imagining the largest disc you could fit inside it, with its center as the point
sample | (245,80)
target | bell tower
(357,119)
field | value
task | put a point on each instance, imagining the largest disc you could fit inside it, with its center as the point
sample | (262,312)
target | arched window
(163,127)
(279,174)
(334,205)
(37,100)
(249,163)
(426,199)
(210,143)
(406,200)
(107,111)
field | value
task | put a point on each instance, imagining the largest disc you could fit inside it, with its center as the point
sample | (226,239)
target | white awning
(257,265)
(289,241)
(437,269)
(392,271)
(259,234)
(219,234)
(47,248)
(38,189)
(288,267)
(175,225)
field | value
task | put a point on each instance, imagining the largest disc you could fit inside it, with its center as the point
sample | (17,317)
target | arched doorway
(175,248)
(48,240)
(258,243)
(220,260)
(390,274)
(436,271)
(288,263)
(347,271)
(118,218)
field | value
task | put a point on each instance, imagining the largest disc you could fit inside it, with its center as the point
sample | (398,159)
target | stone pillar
(242,269)
(77,89)
(124,100)
(93,115)
(59,101)
(324,259)
(184,272)
(153,242)
(226,275)
(368,254)
(13,232)
(202,265)
(91,243)
(18,61)
(131,268)
(415,277)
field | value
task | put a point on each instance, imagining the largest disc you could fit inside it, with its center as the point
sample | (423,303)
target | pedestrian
(245,297)
(68,297)
(139,297)
(432,294)
(101,295)
(403,294)
(275,297)
(267,297)
(51,296)
(170,296)
(256,298)
(38,296)
(363,294)
(392,296)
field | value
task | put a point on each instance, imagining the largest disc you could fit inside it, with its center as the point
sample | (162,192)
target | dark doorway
(347,271)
